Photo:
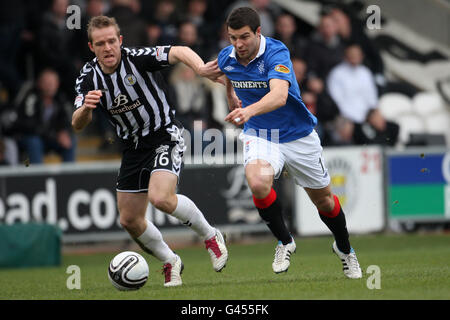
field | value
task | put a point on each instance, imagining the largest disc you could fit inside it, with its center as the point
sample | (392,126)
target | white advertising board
(357,179)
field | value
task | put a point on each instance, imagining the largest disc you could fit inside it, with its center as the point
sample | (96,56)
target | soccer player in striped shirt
(126,85)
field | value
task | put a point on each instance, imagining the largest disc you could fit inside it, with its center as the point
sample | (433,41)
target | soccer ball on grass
(128,271)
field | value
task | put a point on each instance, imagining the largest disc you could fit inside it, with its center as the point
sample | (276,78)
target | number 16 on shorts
(169,158)
(162,160)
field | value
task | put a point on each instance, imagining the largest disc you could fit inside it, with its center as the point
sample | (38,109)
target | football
(128,271)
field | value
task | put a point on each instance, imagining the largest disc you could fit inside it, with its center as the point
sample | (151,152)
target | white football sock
(188,213)
(151,241)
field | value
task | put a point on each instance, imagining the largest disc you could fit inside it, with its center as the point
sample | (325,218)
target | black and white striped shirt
(136,100)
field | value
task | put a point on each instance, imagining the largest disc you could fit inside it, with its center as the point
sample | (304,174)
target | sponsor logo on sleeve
(160,54)
(282,68)
(78,99)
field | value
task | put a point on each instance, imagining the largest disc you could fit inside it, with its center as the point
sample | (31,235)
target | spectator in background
(166,18)
(188,36)
(9,153)
(3,161)
(133,28)
(376,130)
(286,31)
(351,32)
(153,34)
(325,49)
(7,118)
(300,69)
(12,22)
(340,132)
(316,98)
(222,40)
(325,109)
(215,16)
(27,57)
(54,42)
(352,87)
(195,13)
(43,120)
(190,97)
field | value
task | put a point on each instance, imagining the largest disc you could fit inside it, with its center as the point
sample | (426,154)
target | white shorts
(302,158)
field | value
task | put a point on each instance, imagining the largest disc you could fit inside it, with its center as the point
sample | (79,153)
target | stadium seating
(393,105)
(426,103)
(409,123)
(425,114)
(438,123)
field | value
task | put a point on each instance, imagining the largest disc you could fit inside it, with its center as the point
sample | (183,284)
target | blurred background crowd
(338,67)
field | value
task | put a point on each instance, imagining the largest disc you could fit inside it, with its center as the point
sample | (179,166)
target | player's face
(245,41)
(106,46)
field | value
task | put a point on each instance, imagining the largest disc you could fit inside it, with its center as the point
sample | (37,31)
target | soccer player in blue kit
(263,94)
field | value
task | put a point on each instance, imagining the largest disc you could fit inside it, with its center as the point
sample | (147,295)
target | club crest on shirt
(261,67)
(281,68)
(130,79)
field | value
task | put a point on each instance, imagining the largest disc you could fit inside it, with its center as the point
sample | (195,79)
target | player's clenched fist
(82,116)
(92,98)
(239,116)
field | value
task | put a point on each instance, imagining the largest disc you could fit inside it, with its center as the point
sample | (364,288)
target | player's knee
(162,202)
(325,203)
(129,223)
(259,186)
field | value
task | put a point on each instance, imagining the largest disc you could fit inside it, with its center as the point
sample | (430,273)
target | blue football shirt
(287,123)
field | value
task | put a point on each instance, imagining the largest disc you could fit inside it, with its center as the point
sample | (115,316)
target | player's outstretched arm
(233,101)
(273,100)
(190,58)
(83,115)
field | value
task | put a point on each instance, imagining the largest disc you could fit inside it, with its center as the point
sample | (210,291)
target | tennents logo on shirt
(249,84)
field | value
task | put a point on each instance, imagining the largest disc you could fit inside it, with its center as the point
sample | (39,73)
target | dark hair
(352,44)
(243,16)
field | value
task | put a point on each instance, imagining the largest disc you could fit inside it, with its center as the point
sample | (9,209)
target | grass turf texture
(412,267)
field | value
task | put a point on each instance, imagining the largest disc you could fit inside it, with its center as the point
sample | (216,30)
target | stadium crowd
(339,69)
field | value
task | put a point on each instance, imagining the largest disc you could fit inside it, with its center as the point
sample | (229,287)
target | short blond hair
(99,22)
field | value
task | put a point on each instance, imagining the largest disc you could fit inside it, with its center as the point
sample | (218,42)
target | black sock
(338,227)
(273,216)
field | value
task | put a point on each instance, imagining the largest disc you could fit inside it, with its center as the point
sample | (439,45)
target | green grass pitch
(412,267)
